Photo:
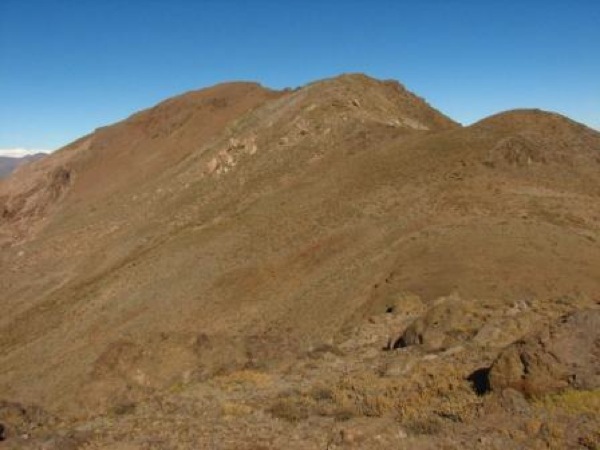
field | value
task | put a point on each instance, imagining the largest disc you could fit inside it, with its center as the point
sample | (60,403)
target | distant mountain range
(8,163)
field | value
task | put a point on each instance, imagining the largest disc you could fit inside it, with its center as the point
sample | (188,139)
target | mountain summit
(237,255)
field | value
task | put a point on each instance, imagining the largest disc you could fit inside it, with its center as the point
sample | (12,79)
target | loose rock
(565,354)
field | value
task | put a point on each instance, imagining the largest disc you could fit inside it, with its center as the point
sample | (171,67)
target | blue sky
(69,66)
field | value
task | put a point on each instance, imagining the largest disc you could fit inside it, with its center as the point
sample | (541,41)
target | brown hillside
(240,229)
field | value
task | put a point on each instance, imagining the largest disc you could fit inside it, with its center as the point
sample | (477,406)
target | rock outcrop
(448,323)
(564,355)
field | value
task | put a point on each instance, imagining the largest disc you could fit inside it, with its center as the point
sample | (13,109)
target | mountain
(8,164)
(229,266)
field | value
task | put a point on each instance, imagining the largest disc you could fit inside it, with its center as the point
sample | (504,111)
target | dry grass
(235,409)
(423,398)
(365,394)
(243,379)
(571,401)
(293,407)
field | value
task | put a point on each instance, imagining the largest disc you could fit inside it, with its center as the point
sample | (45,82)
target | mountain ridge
(239,228)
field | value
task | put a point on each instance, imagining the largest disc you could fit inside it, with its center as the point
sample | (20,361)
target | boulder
(566,354)
(446,324)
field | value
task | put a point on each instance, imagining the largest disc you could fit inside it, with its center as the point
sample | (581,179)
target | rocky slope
(228,268)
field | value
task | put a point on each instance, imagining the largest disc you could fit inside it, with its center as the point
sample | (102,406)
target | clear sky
(70,66)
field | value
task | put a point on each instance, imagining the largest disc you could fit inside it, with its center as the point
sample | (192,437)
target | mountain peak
(370,99)
(530,119)
(238,238)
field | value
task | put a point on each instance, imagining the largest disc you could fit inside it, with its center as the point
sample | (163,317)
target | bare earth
(335,266)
